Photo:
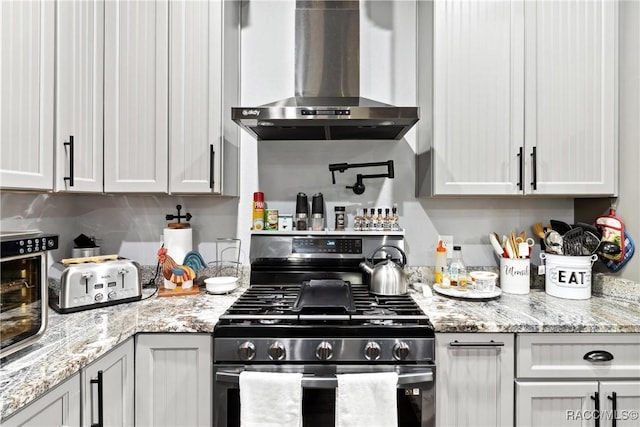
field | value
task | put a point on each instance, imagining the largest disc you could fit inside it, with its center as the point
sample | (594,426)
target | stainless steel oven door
(23,301)
(415,396)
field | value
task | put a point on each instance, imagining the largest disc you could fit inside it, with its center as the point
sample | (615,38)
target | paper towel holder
(187,216)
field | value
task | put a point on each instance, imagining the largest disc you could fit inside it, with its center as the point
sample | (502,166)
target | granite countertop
(72,341)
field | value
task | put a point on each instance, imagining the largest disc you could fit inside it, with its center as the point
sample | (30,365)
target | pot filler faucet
(358,187)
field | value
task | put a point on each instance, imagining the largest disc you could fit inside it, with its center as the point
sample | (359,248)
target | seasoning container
(457,269)
(285,222)
(258,211)
(441,261)
(271,222)
(302,211)
(340,218)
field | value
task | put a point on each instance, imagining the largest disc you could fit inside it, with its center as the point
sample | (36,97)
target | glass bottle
(379,220)
(395,226)
(357,221)
(386,224)
(372,220)
(457,269)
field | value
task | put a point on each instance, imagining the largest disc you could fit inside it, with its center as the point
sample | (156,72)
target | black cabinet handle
(491,343)
(71,149)
(212,157)
(534,168)
(100,405)
(614,407)
(520,167)
(598,356)
(596,416)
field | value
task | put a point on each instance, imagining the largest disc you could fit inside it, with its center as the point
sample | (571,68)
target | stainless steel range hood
(327,102)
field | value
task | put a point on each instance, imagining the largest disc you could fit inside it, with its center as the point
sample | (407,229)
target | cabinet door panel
(627,402)
(173,379)
(27,88)
(118,378)
(552,403)
(475,383)
(59,407)
(136,96)
(195,92)
(571,101)
(478,96)
(79,101)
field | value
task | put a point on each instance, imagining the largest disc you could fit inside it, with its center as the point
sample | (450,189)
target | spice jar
(340,218)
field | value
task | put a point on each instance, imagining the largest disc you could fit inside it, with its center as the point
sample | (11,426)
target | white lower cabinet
(58,407)
(108,389)
(173,380)
(474,385)
(578,380)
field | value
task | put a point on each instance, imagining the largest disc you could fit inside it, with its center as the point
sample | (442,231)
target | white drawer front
(563,355)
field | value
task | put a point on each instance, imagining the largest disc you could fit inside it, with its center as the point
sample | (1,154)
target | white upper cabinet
(27,88)
(199,101)
(478,96)
(136,86)
(79,95)
(571,97)
(523,96)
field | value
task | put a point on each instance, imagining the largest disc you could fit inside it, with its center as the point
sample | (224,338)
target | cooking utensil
(560,226)
(387,277)
(572,241)
(553,242)
(538,229)
(608,248)
(507,246)
(495,243)
(590,228)
(591,243)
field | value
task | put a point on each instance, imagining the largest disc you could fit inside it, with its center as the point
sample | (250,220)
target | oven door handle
(332,382)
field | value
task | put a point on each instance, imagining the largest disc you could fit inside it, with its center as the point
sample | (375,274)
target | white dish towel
(270,399)
(367,400)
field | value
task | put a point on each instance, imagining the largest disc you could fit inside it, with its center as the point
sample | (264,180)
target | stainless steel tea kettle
(387,277)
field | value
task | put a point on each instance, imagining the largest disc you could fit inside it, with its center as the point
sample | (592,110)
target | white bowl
(221,285)
(484,281)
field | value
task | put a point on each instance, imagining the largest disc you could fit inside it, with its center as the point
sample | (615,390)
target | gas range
(309,302)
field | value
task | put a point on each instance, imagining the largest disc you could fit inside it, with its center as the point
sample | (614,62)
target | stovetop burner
(264,307)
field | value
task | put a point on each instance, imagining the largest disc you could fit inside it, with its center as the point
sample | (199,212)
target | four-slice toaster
(86,285)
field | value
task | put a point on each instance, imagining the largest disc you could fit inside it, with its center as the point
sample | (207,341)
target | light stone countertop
(72,341)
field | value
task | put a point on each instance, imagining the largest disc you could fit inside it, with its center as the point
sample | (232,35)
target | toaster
(86,285)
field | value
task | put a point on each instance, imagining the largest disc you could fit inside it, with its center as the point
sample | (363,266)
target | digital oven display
(326,245)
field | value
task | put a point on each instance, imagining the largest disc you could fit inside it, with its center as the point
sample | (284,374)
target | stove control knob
(276,351)
(372,351)
(247,350)
(324,351)
(401,350)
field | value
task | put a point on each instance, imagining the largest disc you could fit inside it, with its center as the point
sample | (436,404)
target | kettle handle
(404,256)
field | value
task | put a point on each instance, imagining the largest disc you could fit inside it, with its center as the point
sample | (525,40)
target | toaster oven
(23,287)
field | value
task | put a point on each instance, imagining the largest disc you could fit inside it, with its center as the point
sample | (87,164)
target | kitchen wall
(628,202)
(132,224)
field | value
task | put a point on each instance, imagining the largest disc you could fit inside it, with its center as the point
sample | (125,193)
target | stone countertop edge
(73,341)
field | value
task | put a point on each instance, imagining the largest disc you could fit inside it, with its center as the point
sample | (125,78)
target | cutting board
(178,291)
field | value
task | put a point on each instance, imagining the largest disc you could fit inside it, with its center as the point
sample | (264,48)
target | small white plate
(469,294)
(221,285)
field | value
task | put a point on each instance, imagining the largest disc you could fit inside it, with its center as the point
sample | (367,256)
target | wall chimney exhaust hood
(327,103)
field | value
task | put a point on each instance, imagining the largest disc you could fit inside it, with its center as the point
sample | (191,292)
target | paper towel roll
(178,242)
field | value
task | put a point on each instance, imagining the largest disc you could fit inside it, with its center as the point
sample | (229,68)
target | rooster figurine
(173,271)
